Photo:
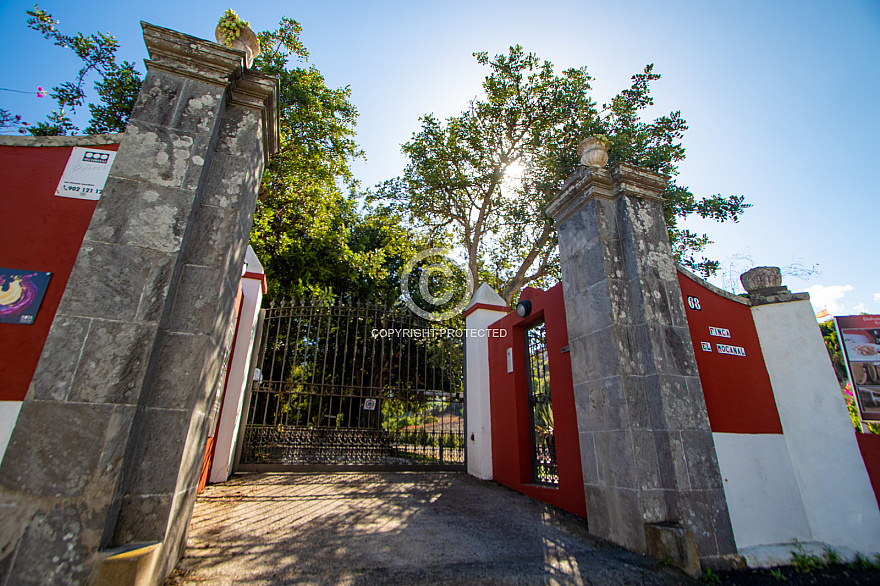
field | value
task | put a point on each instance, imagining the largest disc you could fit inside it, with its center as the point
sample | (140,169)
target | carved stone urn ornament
(761,279)
(593,151)
(236,34)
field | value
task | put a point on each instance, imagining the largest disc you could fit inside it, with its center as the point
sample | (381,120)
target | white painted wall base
(230,416)
(761,489)
(479,423)
(8,416)
(835,489)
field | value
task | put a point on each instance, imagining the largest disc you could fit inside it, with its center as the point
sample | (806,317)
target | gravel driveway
(395,528)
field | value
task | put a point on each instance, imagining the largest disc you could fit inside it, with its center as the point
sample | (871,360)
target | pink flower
(40,92)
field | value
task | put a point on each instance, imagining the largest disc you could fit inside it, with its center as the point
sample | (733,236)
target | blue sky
(780,97)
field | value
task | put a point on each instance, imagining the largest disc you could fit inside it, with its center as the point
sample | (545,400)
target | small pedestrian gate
(354,387)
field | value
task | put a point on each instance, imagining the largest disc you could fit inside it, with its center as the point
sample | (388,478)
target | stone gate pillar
(106,450)
(649,463)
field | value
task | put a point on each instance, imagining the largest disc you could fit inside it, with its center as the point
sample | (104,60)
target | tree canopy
(307,231)
(117,86)
(484,177)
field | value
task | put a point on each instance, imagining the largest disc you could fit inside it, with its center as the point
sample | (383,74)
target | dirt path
(395,528)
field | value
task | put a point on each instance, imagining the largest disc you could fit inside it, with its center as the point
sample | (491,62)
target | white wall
(479,423)
(835,490)
(762,492)
(8,416)
(230,416)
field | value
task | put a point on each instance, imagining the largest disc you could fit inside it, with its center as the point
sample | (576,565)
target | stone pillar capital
(209,62)
(189,56)
(587,183)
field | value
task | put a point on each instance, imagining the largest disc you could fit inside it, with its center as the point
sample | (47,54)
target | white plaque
(370,404)
(732,350)
(86,173)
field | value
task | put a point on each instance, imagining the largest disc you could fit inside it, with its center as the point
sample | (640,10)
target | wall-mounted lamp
(524,308)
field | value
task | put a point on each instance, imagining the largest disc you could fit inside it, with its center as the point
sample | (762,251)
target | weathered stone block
(158,288)
(679,351)
(143,518)
(702,460)
(180,370)
(162,438)
(672,463)
(240,132)
(186,105)
(645,459)
(140,214)
(54,373)
(705,512)
(227,178)
(626,518)
(615,453)
(113,363)
(589,462)
(598,514)
(159,98)
(108,280)
(154,154)
(197,299)
(59,453)
(210,240)
(671,541)
(636,402)
(196,175)
(52,547)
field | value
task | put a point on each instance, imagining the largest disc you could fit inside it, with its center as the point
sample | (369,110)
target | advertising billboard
(860,342)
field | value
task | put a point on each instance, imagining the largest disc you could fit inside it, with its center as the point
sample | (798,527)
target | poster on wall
(86,173)
(860,341)
(21,293)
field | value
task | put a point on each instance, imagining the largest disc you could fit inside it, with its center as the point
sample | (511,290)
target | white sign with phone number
(86,173)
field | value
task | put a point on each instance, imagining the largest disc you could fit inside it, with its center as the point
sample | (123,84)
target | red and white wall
(791,464)
(789,458)
(39,231)
(253,287)
(511,457)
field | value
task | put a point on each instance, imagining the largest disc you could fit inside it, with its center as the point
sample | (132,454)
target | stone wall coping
(589,182)
(752,300)
(61,141)
(711,287)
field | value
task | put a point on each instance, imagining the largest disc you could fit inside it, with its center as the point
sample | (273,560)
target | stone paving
(395,528)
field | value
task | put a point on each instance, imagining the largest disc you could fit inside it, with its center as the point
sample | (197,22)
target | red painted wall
(737,389)
(41,232)
(869,444)
(511,438)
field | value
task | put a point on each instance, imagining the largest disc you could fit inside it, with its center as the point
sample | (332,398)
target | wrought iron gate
(355,387)
(544,465)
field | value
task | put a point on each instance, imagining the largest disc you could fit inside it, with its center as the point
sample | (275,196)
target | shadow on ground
(395,528)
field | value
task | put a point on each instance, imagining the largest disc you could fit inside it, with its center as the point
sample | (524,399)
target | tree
(307,229)
(832,344)
(117,87)
(484,177)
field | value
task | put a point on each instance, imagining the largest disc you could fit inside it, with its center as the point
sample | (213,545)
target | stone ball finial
(593,151)
(761,278)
